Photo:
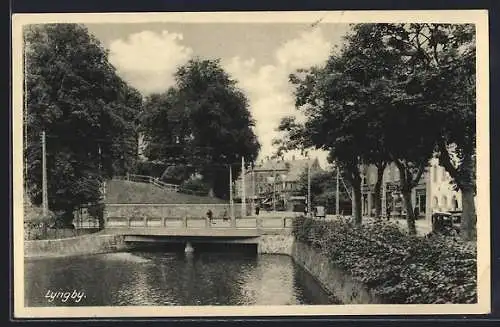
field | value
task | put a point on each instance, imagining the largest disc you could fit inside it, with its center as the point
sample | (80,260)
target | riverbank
(395,266)
(81,245)
(377,263)
(337,282)
(332,279)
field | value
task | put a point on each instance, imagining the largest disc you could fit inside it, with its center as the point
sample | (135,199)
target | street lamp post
(243,196)
(231,203)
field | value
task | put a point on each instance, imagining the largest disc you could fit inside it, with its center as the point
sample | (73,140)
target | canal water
(160,278)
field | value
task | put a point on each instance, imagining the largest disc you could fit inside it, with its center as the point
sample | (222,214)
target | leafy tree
(343,105)
(440,61)
(395,92)
(203,122)
(74,95)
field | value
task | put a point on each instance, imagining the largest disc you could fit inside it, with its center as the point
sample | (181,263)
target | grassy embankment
(132,192)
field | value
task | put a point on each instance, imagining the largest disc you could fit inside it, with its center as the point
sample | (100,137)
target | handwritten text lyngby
(64,296)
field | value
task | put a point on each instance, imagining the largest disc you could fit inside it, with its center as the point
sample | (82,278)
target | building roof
(294,168)
(272,165)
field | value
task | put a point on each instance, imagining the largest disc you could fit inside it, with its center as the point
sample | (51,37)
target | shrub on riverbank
(395,266)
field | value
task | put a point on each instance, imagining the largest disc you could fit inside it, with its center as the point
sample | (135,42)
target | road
(423,226)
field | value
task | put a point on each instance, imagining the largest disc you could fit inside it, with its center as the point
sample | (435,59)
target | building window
(444,174)
(435,202)
(435,173)
(420,200)
(454,203)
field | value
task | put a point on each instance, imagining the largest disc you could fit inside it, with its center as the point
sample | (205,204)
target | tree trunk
(468,219)
(410,216)
(464,176)
(357,204)
(378,192)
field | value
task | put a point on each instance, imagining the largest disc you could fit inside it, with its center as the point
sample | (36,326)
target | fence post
(129,221)
(145,219)
(185,221)
(163,220)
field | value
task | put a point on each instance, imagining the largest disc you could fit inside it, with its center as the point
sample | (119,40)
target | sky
(260,56)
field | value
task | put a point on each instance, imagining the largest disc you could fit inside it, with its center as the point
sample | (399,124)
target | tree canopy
(87,111)
(397,93)
(202,123)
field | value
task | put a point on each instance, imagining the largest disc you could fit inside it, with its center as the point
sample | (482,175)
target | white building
(434,192)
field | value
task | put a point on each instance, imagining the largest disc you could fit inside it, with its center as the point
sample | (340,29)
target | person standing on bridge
(210,216)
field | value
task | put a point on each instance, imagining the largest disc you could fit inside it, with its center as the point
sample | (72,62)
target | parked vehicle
(457,216)
(442,223)
(319,212)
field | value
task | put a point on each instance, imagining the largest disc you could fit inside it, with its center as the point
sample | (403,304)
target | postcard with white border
(251,164)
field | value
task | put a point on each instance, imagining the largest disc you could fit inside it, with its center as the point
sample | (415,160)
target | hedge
(398,268)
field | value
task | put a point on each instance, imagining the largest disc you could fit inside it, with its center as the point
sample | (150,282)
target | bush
(194,187)
(395,266)
(96,211)
(176,174)
(149,168)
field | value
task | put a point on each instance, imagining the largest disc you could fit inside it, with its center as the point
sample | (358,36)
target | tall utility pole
(45,204)
(384,197)
(243,195)
(337,198)
(231,201)
(309,187)
(25,118)
(253,188)
(274,187)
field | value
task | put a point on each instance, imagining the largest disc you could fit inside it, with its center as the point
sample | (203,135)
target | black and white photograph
(258,163)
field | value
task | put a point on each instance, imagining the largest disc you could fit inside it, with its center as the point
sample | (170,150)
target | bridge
(158,213)
(191,230)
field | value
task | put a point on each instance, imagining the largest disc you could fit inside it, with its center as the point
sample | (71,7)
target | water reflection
(158,278)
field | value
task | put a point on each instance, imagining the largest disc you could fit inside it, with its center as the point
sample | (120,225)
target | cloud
(148,60)
(270,94)
(309,49)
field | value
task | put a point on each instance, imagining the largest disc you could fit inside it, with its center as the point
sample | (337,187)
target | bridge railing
(199,222)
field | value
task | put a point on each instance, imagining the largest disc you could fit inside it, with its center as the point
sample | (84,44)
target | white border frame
(477,17)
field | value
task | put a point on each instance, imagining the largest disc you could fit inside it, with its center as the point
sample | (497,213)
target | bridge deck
(191,232)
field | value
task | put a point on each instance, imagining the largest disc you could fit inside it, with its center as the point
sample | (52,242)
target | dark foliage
(395,266)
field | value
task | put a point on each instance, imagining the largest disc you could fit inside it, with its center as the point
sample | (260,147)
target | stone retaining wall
(87,244)
(276,244)
(336,281)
